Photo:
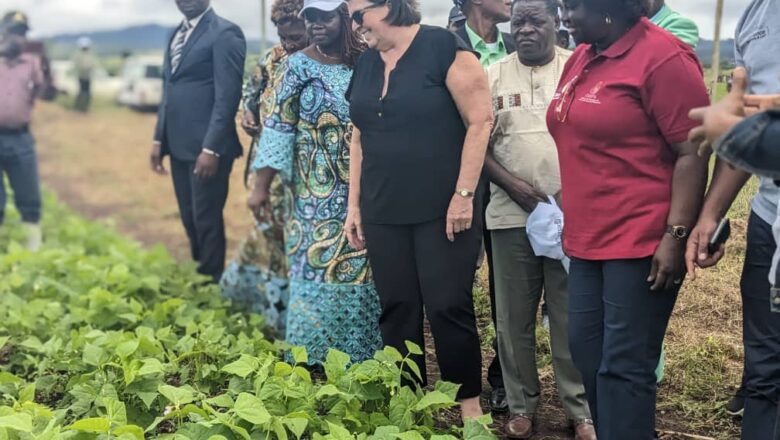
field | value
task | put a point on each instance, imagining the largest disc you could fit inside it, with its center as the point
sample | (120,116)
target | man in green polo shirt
(481,29)
(482,35)
(681,27)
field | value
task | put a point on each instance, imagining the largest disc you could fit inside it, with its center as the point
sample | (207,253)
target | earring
(608,19)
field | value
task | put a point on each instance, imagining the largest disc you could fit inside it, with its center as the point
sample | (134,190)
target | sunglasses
(564,103)
(357,16)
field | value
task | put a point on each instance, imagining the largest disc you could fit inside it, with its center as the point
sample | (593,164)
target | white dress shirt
(193,24)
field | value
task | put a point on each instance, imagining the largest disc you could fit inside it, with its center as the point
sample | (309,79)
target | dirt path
(98,164)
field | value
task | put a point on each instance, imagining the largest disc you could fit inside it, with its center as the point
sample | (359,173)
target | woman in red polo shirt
(632,187)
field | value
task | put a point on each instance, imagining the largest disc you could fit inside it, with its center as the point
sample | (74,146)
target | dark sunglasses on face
(357,16)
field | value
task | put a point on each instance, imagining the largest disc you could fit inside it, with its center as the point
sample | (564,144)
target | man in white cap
(21,82)
(84,64)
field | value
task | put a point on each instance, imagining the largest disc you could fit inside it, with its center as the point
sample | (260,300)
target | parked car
(102,83)
(141,83)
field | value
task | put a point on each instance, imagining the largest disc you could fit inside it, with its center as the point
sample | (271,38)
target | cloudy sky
(49,17)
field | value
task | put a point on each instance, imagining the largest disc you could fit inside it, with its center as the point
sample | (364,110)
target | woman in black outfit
(421,107)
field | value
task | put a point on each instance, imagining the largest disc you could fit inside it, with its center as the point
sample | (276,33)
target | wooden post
(716,48)
(263,33)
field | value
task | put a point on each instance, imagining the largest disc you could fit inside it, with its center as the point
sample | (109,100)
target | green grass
(705,370)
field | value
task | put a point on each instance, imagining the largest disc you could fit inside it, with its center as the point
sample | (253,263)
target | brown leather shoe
(584,430)
(519,427)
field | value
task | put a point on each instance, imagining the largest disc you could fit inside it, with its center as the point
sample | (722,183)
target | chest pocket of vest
(515,114)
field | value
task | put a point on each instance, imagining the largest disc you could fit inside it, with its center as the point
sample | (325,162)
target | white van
(67,84)
(141,83)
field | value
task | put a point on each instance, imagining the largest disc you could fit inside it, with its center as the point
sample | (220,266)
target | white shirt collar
(194,22)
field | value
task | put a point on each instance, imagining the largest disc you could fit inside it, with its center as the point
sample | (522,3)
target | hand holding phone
(721,235)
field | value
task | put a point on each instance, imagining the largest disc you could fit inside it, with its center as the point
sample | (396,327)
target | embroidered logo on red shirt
(592,96)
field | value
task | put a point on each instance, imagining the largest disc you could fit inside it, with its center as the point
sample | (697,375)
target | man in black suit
(203,73)
(482,35)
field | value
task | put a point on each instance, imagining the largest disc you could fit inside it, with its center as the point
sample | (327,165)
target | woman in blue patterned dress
(256,280)
(333,302)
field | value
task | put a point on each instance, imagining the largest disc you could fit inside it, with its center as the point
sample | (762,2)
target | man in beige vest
(523,166)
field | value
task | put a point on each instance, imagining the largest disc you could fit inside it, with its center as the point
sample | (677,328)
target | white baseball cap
(322,5)
(84,42)
(545,228)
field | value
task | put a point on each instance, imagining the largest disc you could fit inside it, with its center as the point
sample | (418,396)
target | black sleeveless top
(412,138)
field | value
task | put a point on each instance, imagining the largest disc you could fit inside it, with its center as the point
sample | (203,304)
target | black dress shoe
(736,406)
(498,403)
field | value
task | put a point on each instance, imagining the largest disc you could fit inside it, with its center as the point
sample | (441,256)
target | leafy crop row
(102,339)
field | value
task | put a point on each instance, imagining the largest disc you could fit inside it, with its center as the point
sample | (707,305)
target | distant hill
(705,47)
(153,37)
(135,39)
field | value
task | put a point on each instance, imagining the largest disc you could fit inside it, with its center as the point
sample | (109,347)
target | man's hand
(206,167)
(718,118)
(760,103)
(696,252)
(525,195)
(249,124)
(156,160)
(558,199)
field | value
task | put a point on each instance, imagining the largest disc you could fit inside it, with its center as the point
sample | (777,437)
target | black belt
(11,131)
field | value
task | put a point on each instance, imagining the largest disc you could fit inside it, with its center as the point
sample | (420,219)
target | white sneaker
(546,322)
(34,235)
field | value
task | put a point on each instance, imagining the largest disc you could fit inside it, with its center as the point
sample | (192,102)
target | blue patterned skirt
(340,316)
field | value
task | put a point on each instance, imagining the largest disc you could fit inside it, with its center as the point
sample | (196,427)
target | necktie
(178,46)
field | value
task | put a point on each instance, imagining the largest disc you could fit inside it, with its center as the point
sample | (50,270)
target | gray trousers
(521,277)
(19,162)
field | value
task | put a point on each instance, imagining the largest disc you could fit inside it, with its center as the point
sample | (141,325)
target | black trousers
(84,98)
(200,205)
(761,335)
(616,331)
(416,268)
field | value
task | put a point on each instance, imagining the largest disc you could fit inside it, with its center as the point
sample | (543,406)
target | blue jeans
(19,162)
(616,331)
(761,334)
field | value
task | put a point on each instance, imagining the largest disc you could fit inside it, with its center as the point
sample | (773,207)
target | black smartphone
(722,233)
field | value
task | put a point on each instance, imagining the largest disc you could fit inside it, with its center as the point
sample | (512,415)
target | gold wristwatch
(679,232)
(465,193)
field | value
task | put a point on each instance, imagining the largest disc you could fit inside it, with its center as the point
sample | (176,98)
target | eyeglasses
(357,16)
(564,102)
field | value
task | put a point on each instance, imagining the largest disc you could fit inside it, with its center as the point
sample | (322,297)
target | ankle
(470,408)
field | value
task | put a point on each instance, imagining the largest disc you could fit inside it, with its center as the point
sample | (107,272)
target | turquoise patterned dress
(256,279)
(333,302)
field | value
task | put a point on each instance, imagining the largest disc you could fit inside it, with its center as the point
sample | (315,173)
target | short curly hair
(553,6)
(628,10)
(283,11)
